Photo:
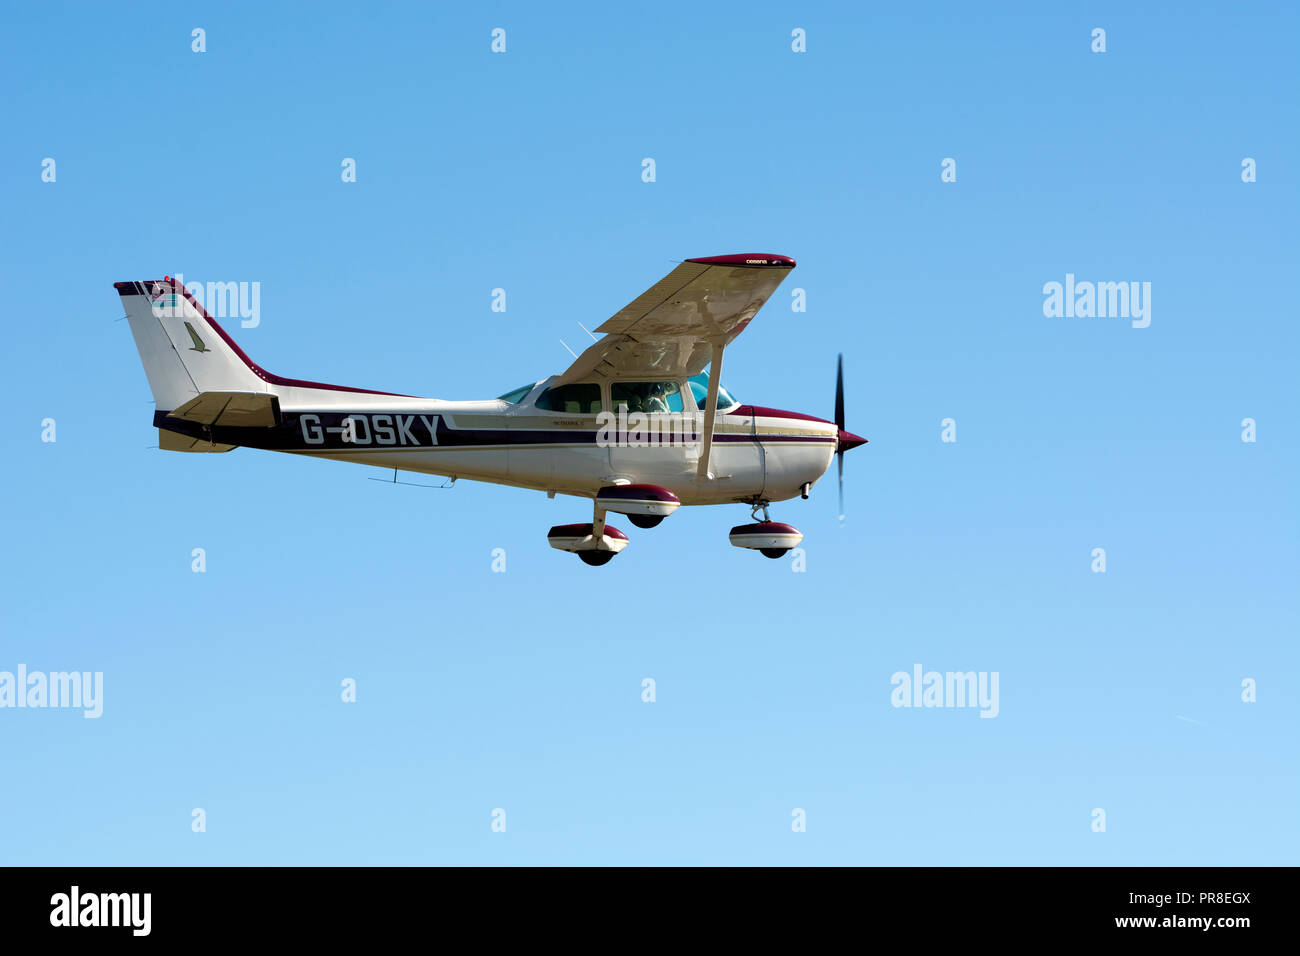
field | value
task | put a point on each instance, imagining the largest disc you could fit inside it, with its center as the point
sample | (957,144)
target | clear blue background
(521,690)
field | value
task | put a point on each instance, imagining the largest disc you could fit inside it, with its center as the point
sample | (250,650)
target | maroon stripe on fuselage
(427,431)
(758,411)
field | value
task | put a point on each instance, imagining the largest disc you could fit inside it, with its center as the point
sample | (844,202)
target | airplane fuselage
(757,453)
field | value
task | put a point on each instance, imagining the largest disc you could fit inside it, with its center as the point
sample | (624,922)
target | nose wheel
(772,539)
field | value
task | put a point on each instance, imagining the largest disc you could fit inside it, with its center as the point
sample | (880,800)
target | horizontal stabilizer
(174,441)
(232,409)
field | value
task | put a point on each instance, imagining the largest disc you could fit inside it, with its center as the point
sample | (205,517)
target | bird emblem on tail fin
(198,342)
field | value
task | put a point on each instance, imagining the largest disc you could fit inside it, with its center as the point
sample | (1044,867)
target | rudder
(184,352)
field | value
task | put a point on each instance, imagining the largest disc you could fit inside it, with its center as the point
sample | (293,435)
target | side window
(646,396)
(575,399)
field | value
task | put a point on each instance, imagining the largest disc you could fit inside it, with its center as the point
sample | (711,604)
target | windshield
(700,389)
(517,396)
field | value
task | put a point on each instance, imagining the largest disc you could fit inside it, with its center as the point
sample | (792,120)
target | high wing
(674,327)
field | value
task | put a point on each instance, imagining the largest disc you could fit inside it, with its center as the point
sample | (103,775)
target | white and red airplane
(635,424)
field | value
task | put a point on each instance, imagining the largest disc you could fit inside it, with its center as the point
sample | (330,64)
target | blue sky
(522,690)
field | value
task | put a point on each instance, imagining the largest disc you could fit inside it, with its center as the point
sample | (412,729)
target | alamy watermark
(63,689)
(221,300)
(946,689)
(642,430)
(78,908)
(1100,300)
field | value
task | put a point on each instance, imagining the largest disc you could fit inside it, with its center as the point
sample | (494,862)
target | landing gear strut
(767,519)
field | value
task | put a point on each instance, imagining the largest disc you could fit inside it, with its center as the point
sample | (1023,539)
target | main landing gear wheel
(645,521)
(579,539)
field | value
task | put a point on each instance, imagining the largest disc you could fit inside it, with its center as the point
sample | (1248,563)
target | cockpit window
(646,396)
(700,389)
(517,396)
(576,399)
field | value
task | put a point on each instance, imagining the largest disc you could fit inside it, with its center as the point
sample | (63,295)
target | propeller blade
(839,423)
(839,393)
(839,456)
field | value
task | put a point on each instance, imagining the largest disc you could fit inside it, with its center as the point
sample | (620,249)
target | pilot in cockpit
(654,400)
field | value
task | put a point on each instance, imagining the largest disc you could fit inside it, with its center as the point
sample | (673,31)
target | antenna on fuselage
(567,349)
(449,483)
(588,331)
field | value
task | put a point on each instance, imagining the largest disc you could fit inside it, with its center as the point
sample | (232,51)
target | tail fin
(184,351)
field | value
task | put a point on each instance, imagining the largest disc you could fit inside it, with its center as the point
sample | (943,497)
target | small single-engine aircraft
(635,424)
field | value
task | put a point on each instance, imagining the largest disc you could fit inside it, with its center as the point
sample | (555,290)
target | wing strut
(710,406)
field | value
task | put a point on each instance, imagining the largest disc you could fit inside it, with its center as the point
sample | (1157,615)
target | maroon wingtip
(757,260)
(848,440)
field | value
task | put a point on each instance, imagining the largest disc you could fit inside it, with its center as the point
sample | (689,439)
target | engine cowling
(645,505)
(579,539)
(770,538)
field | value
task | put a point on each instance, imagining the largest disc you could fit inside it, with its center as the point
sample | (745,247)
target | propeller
(847,440)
